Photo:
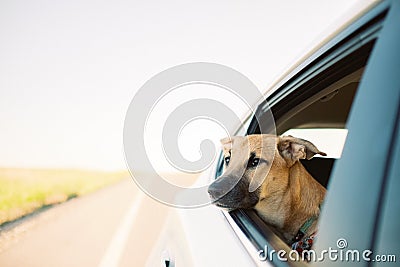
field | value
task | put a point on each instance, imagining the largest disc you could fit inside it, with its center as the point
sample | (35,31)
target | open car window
(314,104)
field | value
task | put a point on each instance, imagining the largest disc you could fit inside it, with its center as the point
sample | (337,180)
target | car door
(366,53)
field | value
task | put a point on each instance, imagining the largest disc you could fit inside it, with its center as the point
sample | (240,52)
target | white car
(347,88)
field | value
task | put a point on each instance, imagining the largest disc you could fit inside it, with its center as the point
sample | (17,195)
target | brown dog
(288,197)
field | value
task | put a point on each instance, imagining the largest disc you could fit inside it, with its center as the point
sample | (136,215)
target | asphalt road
(116,226)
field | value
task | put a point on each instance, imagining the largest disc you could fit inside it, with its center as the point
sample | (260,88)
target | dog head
(265,157)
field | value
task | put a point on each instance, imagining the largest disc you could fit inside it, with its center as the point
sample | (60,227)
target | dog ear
(226,143)
(292,149)
(226,140)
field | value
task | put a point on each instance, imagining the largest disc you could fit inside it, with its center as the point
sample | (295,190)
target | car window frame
(387,242)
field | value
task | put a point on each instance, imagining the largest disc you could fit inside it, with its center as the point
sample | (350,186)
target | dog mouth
(223,206)
(231,203)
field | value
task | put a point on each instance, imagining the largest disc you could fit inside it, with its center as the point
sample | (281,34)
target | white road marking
(116,247)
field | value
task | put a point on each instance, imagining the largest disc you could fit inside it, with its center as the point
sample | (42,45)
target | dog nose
(220,187)
(215,191)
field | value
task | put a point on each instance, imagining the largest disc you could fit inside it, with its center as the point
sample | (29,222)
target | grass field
(23,191)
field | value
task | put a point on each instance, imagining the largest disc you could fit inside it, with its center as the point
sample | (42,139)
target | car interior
(328,109)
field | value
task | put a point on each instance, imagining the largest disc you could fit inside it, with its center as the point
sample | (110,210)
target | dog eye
(253,162)
(227,160)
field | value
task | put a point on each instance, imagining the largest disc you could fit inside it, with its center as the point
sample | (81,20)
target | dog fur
(288,195)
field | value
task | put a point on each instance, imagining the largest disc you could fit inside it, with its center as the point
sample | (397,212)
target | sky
(69,69)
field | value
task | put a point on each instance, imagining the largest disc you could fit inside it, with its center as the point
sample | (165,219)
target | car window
(320,118)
